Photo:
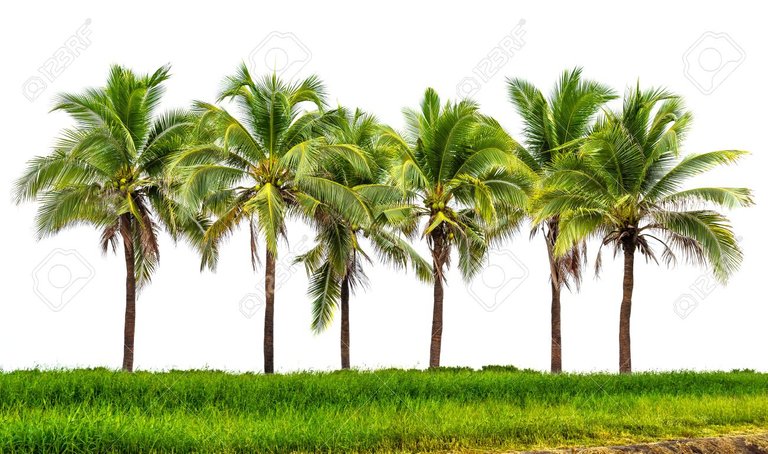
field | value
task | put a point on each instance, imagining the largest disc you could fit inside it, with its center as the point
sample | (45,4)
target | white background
(382,59)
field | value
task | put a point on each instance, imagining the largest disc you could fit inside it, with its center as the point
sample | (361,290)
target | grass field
(388,410)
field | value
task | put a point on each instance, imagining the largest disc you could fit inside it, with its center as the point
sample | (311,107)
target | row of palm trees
(453,177)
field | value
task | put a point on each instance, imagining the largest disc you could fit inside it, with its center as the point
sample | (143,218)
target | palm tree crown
(263,166)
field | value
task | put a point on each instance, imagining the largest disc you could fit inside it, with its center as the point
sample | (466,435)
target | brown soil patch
(750,444)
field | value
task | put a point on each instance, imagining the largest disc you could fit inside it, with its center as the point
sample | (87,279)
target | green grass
(389,410)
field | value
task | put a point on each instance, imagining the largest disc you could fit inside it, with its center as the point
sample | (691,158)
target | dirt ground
(751,444)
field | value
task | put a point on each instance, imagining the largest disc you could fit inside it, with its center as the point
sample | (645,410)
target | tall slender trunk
(438,258)
(625,354)
(129,331)
(269,314)
(345,323)
(556,365)
(437,323)
(556,358)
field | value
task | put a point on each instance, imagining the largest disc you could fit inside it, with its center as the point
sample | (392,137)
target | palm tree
(335,264)
(624,187)
(264,167)
(554,126)
(108,171)
(458,171)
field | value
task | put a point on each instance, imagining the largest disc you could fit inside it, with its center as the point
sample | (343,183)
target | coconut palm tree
(457,170)
(554,126)
(109,171)
(625,187)
(262,165)
(335,264)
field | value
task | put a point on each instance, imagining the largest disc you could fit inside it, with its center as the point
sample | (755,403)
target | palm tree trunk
(625,354)
(556,365)
(129,331)
(437,324)
(345,323)
(438,253)
(269,314)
